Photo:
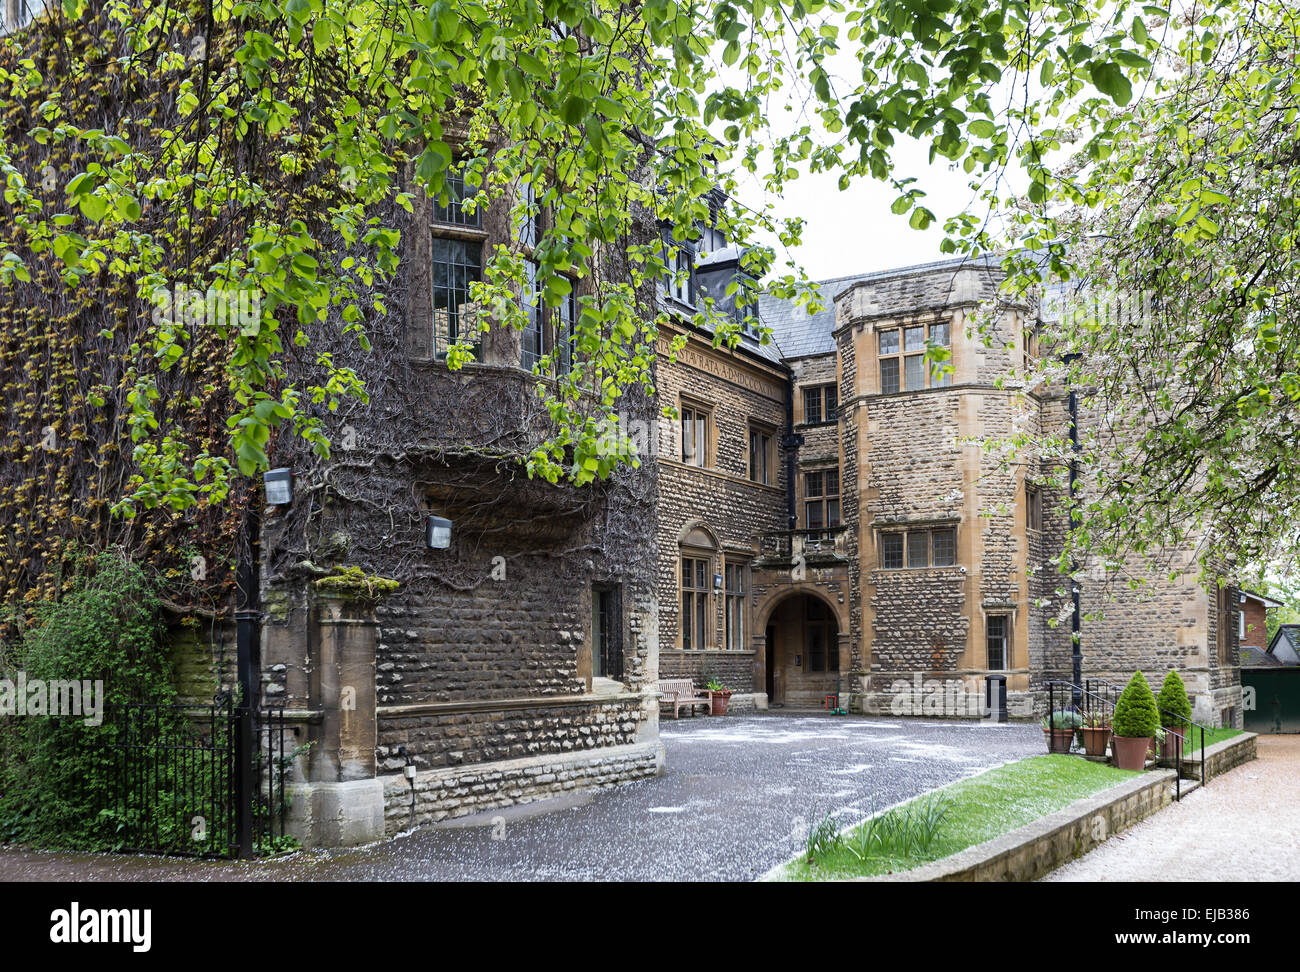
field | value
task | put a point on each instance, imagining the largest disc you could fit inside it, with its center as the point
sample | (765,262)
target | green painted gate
(1277,699)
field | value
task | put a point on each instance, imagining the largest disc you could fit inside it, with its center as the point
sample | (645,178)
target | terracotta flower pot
(1095,739)
(1058,740)
(1130,752)
(1169,746)
(718,702)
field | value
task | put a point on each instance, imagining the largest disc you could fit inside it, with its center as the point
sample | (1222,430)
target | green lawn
(979,809)
(1212,736)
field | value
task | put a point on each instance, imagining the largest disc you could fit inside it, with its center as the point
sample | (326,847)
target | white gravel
(1243,826)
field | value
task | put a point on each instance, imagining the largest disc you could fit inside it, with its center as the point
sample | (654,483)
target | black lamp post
(1076,646)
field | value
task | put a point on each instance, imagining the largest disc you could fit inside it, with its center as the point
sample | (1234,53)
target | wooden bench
(679,692)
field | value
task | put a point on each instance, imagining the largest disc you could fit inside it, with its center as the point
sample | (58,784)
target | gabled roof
(1285,644)
(1263,599)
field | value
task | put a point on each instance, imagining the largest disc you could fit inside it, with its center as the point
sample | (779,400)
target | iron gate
(163,779)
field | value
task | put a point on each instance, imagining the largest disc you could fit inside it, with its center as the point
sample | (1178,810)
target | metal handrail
(1191,726)
(1078,693)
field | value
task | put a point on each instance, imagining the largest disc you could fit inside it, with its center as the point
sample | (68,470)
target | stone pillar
(341,803)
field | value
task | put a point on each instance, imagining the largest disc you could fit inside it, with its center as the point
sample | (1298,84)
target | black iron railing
(162,779)
(1095,701)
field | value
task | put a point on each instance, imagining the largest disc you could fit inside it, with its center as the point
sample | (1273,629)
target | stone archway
(804,653)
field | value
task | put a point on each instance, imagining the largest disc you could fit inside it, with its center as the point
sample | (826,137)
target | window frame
(907,537)
(683,259)
(1034,509)
(766,436)
(700,412)
(822,499)
(1005,620)
(826,397)
(734,603)
(464,272)
(546,325)
(453,214)
(698,595)
(1224,626)
(901,358)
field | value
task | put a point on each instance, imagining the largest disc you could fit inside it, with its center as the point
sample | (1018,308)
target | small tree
(1136,714)
(1173,701)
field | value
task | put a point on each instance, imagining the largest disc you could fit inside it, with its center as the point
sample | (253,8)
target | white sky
(853,231)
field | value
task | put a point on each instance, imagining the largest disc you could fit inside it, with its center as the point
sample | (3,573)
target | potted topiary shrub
(1096,732)
(1175,713)
(1135,724)
(1059,727)
(718,696)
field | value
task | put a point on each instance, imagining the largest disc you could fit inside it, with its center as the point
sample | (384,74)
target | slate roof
(799,334)
(1252,657)
(1287,635)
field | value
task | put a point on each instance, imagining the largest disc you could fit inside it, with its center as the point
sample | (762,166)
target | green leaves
(1111,81)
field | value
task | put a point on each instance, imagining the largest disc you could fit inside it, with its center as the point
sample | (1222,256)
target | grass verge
(969,812)
(1212,736)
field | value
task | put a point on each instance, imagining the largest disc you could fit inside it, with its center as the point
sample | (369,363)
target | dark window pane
(945,548)
(531,338)
(832,403)
(813,515)
(687,614)
(891,551)
(812,405)
(832,482)
(915,372)
(918,549)
(812,484)
(454,212)
(889,375)
(832,513)
(889,342)
(997,642)
(455,266)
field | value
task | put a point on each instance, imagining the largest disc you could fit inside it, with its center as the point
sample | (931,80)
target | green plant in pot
(1059,726)
(1135,725)
(718,696)
(1175,714)
(1096,731)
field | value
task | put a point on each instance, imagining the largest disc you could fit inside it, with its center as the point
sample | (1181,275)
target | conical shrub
(1173,701)
(1136,714)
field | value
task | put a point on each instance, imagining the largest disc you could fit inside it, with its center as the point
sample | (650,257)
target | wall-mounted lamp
(279,486)
(437,532)
(717,582)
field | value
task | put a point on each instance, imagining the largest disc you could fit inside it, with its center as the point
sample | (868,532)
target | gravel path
(1243,826)
(737,793)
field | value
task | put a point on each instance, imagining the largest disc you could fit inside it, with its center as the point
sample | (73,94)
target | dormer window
(679,257)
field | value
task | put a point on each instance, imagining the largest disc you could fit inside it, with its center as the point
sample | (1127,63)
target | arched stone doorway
(803,652)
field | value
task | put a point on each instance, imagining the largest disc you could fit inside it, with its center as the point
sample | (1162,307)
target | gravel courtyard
(738,793)
(1244,826)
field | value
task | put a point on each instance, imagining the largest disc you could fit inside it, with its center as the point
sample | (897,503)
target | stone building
(906,563)
(517,662)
